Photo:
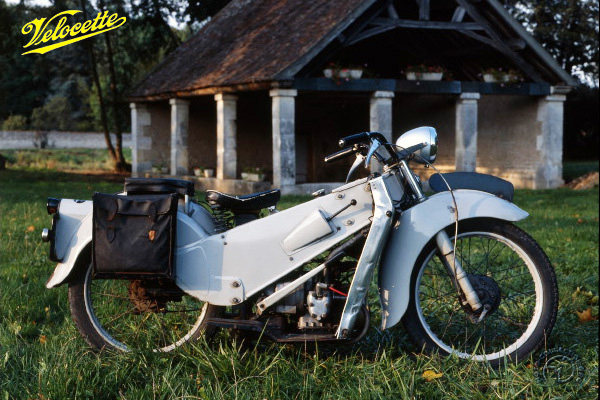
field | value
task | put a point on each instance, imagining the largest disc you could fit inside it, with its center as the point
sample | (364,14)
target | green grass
(42,355)
(62,159)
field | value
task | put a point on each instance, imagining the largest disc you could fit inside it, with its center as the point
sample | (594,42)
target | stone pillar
(226,136)
(179,136)
(466,132)
(380,119)
(284,137)
(549,140)
(140,138)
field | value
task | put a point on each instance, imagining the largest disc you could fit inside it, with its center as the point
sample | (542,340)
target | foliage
(201,10)
(15,123)
(53,115)
(568,30)
(42,355)
(422,68)
(96,160)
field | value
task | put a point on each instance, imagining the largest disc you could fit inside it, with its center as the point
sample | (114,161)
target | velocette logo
(43,34)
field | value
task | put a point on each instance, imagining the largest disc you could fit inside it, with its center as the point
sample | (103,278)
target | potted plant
(498,75)
(253,174)
(209,172)
(160,168)
(424,72)
(340,74)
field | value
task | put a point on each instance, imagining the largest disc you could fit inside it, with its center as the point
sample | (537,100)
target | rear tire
(504,260)
(108,319)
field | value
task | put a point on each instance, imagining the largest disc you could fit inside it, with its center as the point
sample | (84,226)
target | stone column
(140,138)
(284,137)
(466,132)
(226,136)
(549,141)
(179,136)
(380,117)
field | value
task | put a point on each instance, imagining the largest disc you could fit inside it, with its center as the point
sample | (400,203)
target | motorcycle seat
(250,202)
(475,181)
(157,185)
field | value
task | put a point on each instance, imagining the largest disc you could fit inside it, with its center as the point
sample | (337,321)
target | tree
(568,30)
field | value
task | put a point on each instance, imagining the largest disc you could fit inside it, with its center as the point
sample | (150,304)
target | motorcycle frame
(218,269)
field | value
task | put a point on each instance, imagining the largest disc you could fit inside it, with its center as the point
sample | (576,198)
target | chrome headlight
(424,134)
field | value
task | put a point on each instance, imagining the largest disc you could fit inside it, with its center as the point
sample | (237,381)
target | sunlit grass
(42,355)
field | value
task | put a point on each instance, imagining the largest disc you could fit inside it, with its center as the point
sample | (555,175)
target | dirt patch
(586,181)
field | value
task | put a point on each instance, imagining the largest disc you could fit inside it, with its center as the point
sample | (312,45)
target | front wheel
(136,314)
(513,278)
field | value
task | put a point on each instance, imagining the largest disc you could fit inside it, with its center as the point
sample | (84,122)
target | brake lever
(357,162)
(375,144)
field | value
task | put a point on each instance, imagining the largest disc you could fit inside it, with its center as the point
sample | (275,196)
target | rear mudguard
(415,228)
(73,235)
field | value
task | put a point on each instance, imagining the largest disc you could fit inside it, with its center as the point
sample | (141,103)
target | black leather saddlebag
(134,236)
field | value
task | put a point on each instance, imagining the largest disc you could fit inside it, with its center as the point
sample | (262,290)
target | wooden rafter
(496,41)
(424,9)
(380,25)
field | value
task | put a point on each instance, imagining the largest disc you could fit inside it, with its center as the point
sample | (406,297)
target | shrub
(15,123)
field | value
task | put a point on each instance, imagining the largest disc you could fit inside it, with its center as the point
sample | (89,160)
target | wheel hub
(489,295)
(488,291)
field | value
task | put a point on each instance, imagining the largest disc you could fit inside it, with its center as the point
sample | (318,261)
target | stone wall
(56,140)
(511,141)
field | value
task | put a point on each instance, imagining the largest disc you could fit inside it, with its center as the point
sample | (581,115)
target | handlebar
(354,139)
(340,154)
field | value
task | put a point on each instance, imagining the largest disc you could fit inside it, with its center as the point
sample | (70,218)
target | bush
(15,123)
(54,115)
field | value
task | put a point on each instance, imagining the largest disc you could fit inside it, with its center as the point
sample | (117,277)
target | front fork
(455,270)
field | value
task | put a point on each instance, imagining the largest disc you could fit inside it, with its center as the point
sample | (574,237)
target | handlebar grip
(340,154)
(354,139)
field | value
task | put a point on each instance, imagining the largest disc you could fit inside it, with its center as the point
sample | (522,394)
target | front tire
(508,266)
(110,316)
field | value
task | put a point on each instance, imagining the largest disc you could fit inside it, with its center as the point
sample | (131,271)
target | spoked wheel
(136,314)
(514,281)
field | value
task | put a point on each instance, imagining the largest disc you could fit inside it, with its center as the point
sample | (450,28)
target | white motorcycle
(150,268)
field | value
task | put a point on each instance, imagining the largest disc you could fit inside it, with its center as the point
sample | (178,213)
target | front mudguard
(419,225)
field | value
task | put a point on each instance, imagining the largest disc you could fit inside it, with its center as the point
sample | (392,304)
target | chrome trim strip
(369,259)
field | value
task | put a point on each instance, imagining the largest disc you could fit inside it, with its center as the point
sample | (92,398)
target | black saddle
(251,202)
(475,181)
(156,185)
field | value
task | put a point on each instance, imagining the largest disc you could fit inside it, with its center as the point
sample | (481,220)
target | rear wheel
(136,314)
(513,278)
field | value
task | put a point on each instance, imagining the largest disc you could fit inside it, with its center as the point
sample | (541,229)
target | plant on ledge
(342,74)
(424,72)
(499,75)
(204,172)
(253,174)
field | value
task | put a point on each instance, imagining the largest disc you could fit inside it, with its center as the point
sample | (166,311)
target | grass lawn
(42,355)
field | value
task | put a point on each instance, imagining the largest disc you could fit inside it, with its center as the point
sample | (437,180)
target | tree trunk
(121,164)
(103,119)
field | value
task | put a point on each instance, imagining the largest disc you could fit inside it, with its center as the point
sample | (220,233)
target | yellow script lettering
(79,31)
(75,29)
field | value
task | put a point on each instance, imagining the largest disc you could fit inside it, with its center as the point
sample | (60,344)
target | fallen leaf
(431,375)
(30,228)
(585,316)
